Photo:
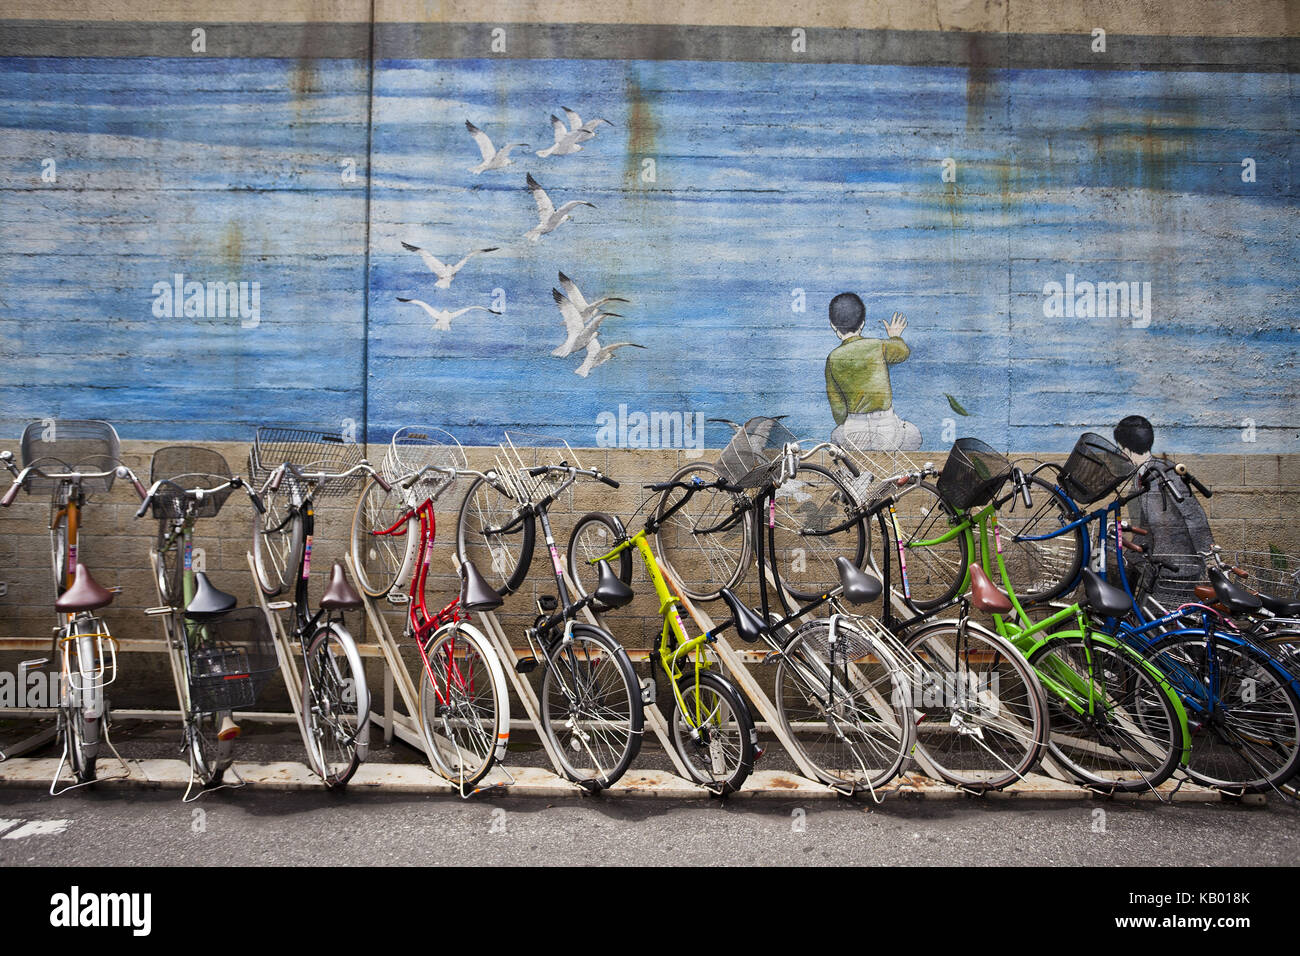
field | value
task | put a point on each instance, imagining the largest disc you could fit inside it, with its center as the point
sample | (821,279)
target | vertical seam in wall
(365,283)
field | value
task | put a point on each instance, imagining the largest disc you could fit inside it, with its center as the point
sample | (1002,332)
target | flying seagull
(568,138)
(444,272)
(442,317)
(493,158)
(583,131)
(585,308)
(548,217)
(596,355)
(579,328)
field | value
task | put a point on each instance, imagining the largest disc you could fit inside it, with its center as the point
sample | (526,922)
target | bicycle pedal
(398,598)
(526,666)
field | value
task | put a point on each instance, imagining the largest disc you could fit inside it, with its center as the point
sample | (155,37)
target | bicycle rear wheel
(383,559)
(464,707)
(935,570)
(704,546)
(815,522)
(846,707)
(591,707)
(715,734)
(1115,726)
(493,531)
(594,536)
(1040,570)
(1244,716)
(336,704)
(981,718)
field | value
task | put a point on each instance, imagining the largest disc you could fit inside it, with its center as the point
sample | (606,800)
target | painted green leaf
(1279,559)
(956,405)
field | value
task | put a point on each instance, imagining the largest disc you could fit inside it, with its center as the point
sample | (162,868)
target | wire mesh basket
(415,448)
(1094,469)
(232,662)
(753,449)
(308,450)
(182,468)
(972,474)
(877,469)
(60,446)
(1270,572)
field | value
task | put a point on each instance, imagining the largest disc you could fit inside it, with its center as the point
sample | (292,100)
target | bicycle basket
(877,470)
(1271,572)
(234,658)
(306,449)
(972,474)
(1094,469)
(754,448)
(59,446)
(414,448)
(183,467)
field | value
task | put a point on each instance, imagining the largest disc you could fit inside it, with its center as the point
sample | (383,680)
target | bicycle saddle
(208,600)
(749,625)
(859,587)
(1103,597)
(340,595)
(1236,598)
(1279,607)
(84,595)
(985,595)
(610,590)
(475,593)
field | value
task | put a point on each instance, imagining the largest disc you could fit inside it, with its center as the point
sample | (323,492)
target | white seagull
(585,308)
(548,217)
(583,131)
(442,317)
(599,356)
(493,158)
(444,272)
(579,328)
(568,138)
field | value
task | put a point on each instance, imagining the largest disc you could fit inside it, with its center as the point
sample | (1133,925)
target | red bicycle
(464,706)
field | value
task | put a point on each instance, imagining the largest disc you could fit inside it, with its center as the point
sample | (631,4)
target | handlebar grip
(10,495)
(1181,470)
(379,479)
(1129,545)
(279,477)
(1134,529)
(608,480)
(140,489)
(256,499)
(144,506)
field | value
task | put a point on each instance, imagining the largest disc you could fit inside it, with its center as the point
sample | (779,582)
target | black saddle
(339,595)
(610,590)
(1103,597)
(749,625)
(208,601)
(475,593)
(859,586)
(1237,599)
(1279,607)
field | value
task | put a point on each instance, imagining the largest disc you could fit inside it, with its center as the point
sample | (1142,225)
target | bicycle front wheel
(383,543)
(935,567)
(714,734)
(494,532)
(705,546)
(981,718)
(277,542)
(591,707)
(464,708)
(336,704)
(1115,726)
(1244,716)
(845,705)
(815,521)
(1046,569)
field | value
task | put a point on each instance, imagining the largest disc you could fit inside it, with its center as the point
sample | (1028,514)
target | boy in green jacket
(857,381)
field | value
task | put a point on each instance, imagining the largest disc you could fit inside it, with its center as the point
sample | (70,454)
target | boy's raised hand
(895,326)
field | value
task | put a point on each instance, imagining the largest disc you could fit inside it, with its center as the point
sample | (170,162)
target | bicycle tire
(806,506)
(1212,762)
(595,535)
(278,540)
(336,725)
(702,565)
(574,692)
(864,731)
(719,753)
(205,749)
(935,572)
(945,704)
(170,565)
(82,742)
(59,547)
(382,561)
(502,558)
(1134,752)
(468,685)
(1041,570)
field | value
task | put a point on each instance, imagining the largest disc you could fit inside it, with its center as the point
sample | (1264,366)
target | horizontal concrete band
(584,41)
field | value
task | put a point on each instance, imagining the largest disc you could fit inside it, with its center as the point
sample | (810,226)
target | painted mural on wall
(566,246)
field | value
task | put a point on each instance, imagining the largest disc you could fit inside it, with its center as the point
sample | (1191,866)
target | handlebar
(69,477)
(316,477)
(197,494)
(1181,471)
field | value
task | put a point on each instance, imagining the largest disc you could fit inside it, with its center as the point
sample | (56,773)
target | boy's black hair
(1135,433)
(847,313)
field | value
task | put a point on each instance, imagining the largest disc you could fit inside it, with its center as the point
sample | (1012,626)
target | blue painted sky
(769,178)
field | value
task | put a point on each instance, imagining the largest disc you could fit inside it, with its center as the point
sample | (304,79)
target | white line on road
(37,828)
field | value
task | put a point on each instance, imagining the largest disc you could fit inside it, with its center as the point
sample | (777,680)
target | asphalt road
(142,828)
